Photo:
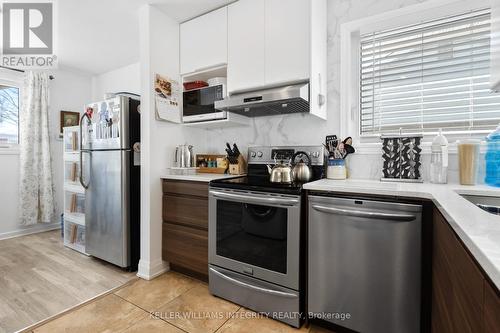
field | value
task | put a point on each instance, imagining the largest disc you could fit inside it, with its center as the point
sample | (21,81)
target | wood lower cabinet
(460,299)
(185,226)
(186,247)
(491,309)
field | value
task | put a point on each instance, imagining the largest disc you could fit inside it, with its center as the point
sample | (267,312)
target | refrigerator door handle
(82,182)
(85,186)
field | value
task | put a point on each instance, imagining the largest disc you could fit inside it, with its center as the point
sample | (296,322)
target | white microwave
(199,104)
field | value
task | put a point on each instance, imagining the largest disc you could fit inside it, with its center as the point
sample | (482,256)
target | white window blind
(428,76)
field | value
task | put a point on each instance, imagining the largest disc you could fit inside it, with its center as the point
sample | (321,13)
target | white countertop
(195,177)
(479,230)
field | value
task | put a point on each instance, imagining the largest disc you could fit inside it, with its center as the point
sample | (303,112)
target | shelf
(77,247)
(74,157)
(74,187)
(75,218)
(204,75)
(232,120)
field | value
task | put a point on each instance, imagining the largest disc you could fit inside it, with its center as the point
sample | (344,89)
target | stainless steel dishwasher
(364,264)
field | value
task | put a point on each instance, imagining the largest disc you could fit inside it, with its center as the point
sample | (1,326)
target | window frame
(12,79)
(350,33)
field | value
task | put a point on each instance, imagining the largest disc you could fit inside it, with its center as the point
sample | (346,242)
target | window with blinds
(428,76)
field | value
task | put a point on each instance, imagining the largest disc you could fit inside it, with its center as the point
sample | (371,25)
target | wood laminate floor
(171,303)
(40,278)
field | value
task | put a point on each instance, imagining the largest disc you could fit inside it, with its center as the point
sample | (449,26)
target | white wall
(69,91)
(159,54)
(123,79)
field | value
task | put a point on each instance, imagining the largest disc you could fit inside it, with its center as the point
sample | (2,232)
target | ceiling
(96,36)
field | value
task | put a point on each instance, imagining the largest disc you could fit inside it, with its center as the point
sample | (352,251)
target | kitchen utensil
(184,157)
(302,171)
(280,173)
(236,151)
(232,153)
(348,141)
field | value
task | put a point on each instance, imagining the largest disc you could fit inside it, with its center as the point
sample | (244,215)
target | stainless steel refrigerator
(110,130)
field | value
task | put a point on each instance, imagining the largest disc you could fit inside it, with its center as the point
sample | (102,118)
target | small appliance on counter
(184,156)
(255,235)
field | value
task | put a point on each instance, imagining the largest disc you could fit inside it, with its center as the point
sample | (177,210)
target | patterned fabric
(36,193)
(401,158)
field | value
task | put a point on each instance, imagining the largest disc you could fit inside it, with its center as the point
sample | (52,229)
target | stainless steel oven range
(255,235)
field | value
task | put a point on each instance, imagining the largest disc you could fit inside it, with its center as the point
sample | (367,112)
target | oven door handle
(255,200)
(249,286)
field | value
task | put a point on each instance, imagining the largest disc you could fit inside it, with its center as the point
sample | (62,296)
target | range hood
(268,102)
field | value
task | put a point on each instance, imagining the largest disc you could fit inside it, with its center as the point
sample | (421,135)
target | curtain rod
(51,77)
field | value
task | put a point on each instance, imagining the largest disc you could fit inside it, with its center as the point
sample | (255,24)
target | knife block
(239,168)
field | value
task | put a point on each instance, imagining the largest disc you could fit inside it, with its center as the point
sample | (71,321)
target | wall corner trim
(149,270)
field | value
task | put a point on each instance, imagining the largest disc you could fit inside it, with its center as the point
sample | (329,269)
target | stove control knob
(315,154)
(252,154)
(259,154)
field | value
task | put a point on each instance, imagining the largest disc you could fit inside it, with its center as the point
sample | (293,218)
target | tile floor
(171,303)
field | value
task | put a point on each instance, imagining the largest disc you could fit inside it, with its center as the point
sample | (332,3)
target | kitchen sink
(486,203)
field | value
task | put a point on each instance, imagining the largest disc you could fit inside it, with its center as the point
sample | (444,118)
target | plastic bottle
(439,159)
(492,158)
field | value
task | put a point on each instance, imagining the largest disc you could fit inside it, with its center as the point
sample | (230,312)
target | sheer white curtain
(36,193)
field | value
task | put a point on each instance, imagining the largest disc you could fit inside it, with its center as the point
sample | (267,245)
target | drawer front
(199,189)
(190,211)
(186,247)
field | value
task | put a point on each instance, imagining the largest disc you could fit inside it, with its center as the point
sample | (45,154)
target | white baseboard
(28,230)
(149,270)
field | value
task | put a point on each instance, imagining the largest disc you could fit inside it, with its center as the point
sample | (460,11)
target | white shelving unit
(74,193)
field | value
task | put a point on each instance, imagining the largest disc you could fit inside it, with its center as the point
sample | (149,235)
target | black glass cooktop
(257,183)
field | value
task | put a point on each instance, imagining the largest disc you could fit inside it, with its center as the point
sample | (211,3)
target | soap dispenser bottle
(492,158)
(439,159)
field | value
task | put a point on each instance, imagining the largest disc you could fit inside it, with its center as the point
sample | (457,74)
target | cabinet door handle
(364,214)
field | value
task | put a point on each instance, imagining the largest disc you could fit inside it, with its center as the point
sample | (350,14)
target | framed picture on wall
(69,118)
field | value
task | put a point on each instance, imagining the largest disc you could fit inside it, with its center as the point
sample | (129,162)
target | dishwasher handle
(365,214)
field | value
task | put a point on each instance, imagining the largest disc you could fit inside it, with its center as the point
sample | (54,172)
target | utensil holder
(239,168)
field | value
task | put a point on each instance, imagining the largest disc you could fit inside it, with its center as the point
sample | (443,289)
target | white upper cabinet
(287,40)
(246,46)
(203,42)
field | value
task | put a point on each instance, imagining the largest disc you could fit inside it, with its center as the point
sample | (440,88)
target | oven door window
(200,101)
(253,234)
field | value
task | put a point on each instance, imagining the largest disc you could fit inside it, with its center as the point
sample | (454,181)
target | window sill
(376,148)
(9,150)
